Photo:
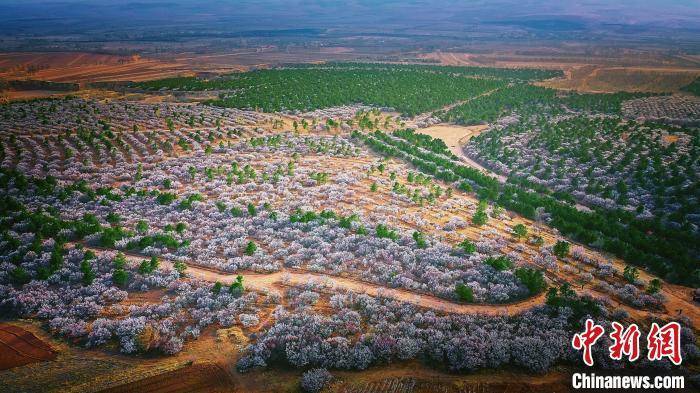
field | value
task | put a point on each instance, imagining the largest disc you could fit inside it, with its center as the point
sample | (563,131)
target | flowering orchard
(143,227)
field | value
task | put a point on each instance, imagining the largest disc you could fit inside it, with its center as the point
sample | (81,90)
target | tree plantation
(338,217)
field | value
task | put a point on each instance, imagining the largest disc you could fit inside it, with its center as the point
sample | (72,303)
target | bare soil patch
(85,67)
(454,136)
(597,79)
(19,347)
(27,63)
(457,136)
(205,377)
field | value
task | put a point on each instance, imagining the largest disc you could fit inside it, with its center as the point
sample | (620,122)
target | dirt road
(678,298)
(455,137)
(273,281)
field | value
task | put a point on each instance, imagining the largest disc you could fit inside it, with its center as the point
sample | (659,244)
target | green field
(407,89)
(693,88)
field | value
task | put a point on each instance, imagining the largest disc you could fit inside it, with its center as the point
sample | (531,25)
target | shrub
(499,263)
(180,267)
(464,292)
(111,235)
(250,249)
(420,240)
(346,222)
(187,202)
(180,227)
(533,279)
(561,249)
(119,261)
(566,297)
(314,380)
(142,226)
(86,269)
(19,276)
(113,218)
(120,277)
(236,287)
(166,198)
(520,231)
(383,232)
(251,210)
(480,218)
(631,274)
(654,286)
(149,266)
(467,246)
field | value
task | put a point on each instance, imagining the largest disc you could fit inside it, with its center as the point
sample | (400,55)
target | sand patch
(454,136)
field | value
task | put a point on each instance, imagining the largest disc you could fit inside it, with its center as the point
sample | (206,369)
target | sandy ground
(455,137)
(29,62)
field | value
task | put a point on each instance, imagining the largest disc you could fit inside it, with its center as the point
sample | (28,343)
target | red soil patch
(195,378)
(84,67)
(19,347)
(33,62)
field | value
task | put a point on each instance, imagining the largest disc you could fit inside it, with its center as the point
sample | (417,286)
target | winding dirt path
(455,137)
(272,281)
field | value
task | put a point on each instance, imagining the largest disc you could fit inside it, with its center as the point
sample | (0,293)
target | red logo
(662,342)
(665,342)
(625,342)
(586,340)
